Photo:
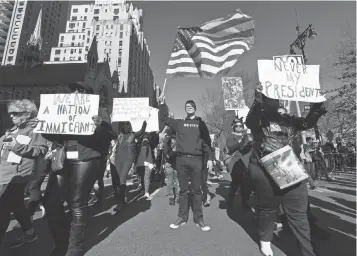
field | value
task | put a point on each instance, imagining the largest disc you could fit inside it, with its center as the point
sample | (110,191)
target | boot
(122,198)
(231,195)
(75,247)
(59,230)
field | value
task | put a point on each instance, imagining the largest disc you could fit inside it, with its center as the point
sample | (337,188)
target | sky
(275,24)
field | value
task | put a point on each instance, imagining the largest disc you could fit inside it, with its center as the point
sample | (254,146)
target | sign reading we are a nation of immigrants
(67,113)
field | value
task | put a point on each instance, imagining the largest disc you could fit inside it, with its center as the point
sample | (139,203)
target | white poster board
(67,114)
(284,79)
(152,121)
(130,109)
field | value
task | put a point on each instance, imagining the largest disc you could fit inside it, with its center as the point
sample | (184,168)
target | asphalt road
(143,228)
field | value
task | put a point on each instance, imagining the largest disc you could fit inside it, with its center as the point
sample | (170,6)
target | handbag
(58,158)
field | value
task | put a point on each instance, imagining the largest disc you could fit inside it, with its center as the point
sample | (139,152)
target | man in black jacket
(192,142)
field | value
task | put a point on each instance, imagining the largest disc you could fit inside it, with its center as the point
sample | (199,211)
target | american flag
(211,49)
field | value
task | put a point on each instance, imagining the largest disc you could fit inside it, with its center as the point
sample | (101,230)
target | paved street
(143,229)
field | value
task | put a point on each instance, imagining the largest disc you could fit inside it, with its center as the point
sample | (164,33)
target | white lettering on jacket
(191,125)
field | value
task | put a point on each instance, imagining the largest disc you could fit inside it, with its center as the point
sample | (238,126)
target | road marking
(341,232)
(153,194)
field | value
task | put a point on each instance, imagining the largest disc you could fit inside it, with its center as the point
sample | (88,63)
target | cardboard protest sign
(130,109)
(233,93)
(285,79)
(67,113)
(152,121)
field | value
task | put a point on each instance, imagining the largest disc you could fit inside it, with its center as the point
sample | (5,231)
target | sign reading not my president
(67,113)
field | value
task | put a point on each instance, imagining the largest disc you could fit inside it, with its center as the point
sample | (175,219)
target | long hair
(121,127)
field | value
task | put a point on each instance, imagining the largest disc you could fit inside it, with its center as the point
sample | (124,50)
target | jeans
(294,201)
(115,179)
(41,171)
(172,181)
(204,185)
(189,168)
(72,184)
(12,201)
(145,176)
(310,168)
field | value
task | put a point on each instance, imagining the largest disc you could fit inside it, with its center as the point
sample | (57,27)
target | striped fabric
(211,49)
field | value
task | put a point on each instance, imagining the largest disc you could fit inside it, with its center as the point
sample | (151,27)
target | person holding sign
(192,142)
(73,178)
(20,148)
(271,131)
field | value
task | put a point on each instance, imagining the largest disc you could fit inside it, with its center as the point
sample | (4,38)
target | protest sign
(67,113)
(130,109)
(233,93)
(284,167)
(152,121)
(284,79)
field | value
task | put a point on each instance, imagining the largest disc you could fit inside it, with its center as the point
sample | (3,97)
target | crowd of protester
(182,156)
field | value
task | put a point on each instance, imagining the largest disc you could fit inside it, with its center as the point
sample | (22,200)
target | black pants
(12,201)
(115,179)
(190,169)
(294,202)
(102,162)
(73,184)
(41,171)
(204,185)
(320,167)
(239,180)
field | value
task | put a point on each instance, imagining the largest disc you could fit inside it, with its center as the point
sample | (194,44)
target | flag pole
(163,88)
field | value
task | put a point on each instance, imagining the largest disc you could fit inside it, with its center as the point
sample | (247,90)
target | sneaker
(208,201)
(147,195)
(220,177)
(179,222)
(43,210)
(172,201)
(18,226)
(202,225)
(265,248)
(24,239)
(177,200)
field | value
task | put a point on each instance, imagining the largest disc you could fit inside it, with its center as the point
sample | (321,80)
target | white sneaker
(43,210)
(265,248)
(147,195)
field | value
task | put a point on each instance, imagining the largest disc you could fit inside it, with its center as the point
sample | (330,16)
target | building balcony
(3,33)
(4,26)
(8,4)
(2,40)
(6,11)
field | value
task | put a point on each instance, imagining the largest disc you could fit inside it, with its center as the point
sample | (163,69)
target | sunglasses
(78,89)
(16,113)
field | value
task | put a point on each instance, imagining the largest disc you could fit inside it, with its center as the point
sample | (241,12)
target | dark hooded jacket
(272,131)
(192,135)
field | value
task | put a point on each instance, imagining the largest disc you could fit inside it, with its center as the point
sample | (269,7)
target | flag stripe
(212,49)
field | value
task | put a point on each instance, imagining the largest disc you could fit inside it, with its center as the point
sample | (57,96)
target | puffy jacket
(272,131)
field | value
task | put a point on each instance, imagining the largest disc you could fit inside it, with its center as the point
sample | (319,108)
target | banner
(284,167)
(284,79)
(233,93)
(130,109)
(152,121)
(67,113)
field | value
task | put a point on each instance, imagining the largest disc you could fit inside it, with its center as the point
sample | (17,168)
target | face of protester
(282,111)
(17,116)
(190,110)
(78,89)
(239,128)
(126,127)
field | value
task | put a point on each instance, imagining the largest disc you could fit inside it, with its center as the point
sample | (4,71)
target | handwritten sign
(152,121)
(293,81)
(130,109)
(233,93)
(67,113)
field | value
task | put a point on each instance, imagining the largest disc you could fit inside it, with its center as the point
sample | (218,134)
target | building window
(75,10)
(61,44)
(72,25)
(96,18)
(79,58)
(98,27)
(74,37)
(86,10)
(106,10)
(96,11)
(121,27)
(120,43)
(121,34)
(116,11)
(62,38)
(120,51)
(85,18)
(64,58)
(72,44)
(74,18)
(72,51)
(56,59)
(85,56)
(87,40)
(88,33)
(57,52)
(80,50)
(87,48)
(115,17)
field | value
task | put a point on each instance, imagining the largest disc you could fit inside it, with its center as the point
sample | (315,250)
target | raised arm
(164,116)
(142,130)
(254,117)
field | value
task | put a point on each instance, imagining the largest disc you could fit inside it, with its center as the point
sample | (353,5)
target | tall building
(118,27)
(17,21)
(32,78)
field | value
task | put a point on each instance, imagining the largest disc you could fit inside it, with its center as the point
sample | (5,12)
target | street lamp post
(300,43)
